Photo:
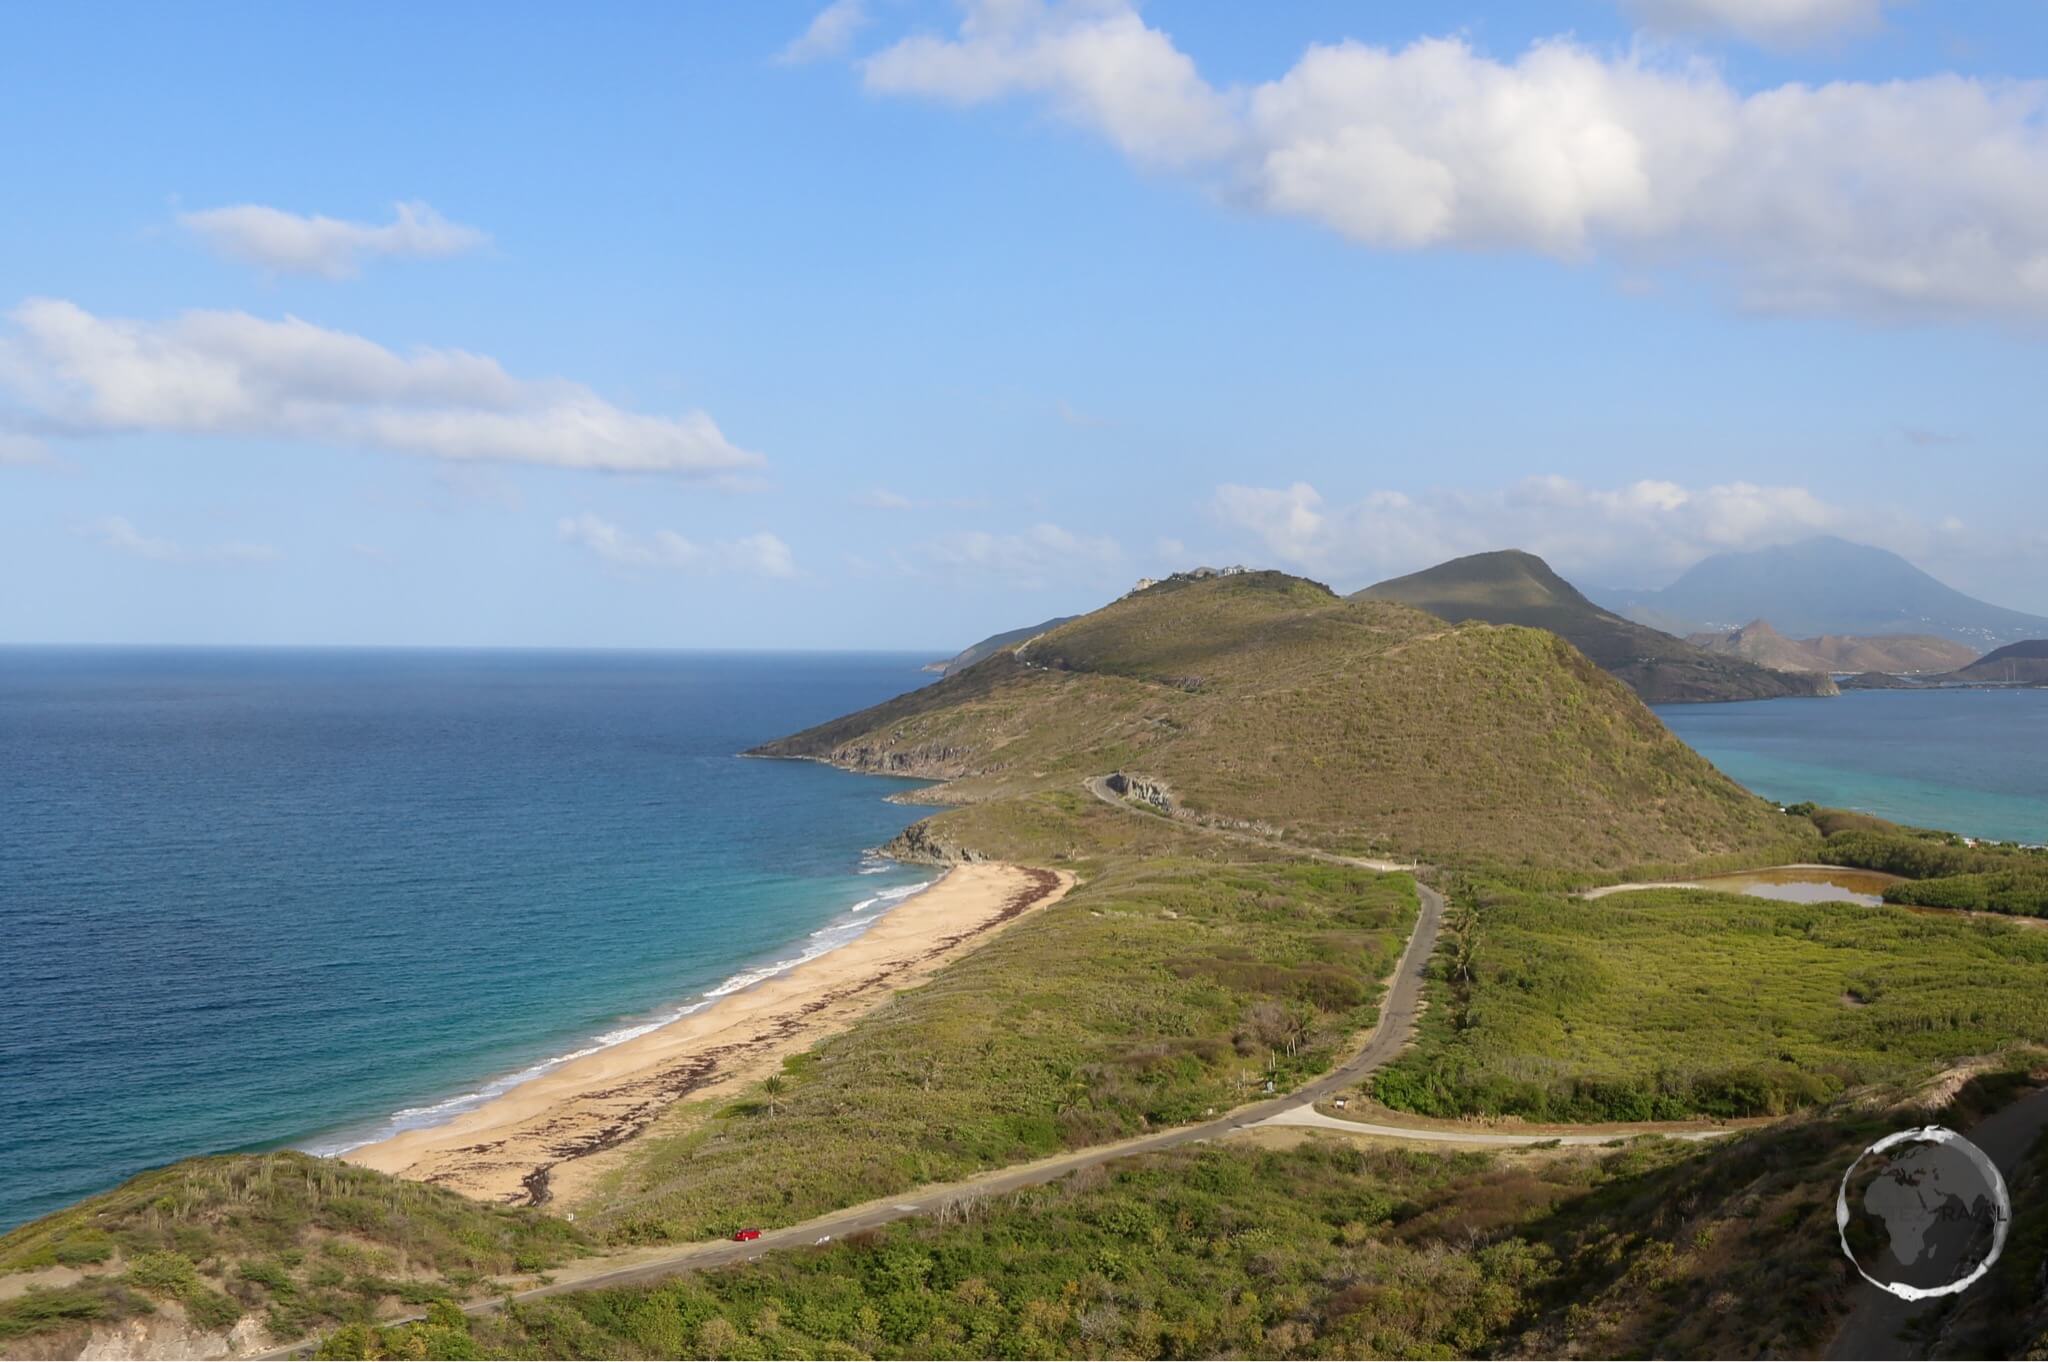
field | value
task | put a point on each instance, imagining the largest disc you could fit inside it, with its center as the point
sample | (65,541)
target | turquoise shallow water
(258,898)
(1972,761)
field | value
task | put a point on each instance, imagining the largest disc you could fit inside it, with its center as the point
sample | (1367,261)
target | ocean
(1970,761)
(257,898)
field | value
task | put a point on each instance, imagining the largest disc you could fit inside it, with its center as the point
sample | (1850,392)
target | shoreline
(534,1142)
(847,927)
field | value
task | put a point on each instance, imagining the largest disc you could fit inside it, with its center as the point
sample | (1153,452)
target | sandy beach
(535,1143)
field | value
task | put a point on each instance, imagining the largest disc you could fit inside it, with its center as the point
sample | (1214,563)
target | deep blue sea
(283,897)
(1970,761)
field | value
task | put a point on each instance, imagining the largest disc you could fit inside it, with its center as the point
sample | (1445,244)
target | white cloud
(759,555)
(119,533)
(1612,536)
(1911,197)
(1099,64)
(228,373)
(829,34)
(331,248)
(1772,23)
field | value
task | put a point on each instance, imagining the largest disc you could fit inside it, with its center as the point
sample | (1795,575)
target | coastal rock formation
(933,762)
(920,844)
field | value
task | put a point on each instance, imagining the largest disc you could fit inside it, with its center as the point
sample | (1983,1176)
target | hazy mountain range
(1916,654)
(1821,586)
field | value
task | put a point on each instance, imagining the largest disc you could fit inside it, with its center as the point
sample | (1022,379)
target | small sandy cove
(529,1145)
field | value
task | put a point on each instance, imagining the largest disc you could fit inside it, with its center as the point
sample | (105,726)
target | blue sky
(895,324)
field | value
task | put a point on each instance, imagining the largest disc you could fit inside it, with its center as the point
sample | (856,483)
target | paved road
(1307,1115)
(1399,1008)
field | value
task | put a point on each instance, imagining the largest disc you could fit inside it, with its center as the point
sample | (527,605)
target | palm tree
(774,1085)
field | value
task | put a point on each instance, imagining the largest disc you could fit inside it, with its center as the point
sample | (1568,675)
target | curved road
(1399,1008)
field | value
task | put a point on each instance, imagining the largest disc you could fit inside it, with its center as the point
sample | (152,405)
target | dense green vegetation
(1158,991)
(1358,726)
(304,1242)
(1325,1248)
(1666,1004)
(1942,870)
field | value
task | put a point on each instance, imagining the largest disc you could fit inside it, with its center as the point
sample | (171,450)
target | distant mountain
(994,643)
(1824,586)
(1512,587)
(1759,643)
(2017,664)
(1909,654)
(1912,654)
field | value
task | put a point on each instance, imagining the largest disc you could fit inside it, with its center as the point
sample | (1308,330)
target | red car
(743,1236)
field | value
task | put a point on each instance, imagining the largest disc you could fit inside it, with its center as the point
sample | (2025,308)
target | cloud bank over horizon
(1921,198)
(1639,535)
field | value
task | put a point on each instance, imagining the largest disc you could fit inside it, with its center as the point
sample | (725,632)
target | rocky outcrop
(921,845)
(931,762)
(1141,788)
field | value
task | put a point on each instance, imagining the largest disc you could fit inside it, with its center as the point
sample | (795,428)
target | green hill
(994,643)
(1512,587)
(1353,724)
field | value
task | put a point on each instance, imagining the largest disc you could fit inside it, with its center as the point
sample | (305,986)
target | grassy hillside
(1665,1004)
(1352,724)
(298,1242)
(1157,991)
(993,644)
(1511,587)
(1318,1248)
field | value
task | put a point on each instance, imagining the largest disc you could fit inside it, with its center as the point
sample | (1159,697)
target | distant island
(1823,585)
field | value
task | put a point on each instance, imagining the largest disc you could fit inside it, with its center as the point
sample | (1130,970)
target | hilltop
(1888,654)
(1512,587)
(1824,585)
(1758,642)
(1266,699)
(2016,664)
(1910,654)
(994,643)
